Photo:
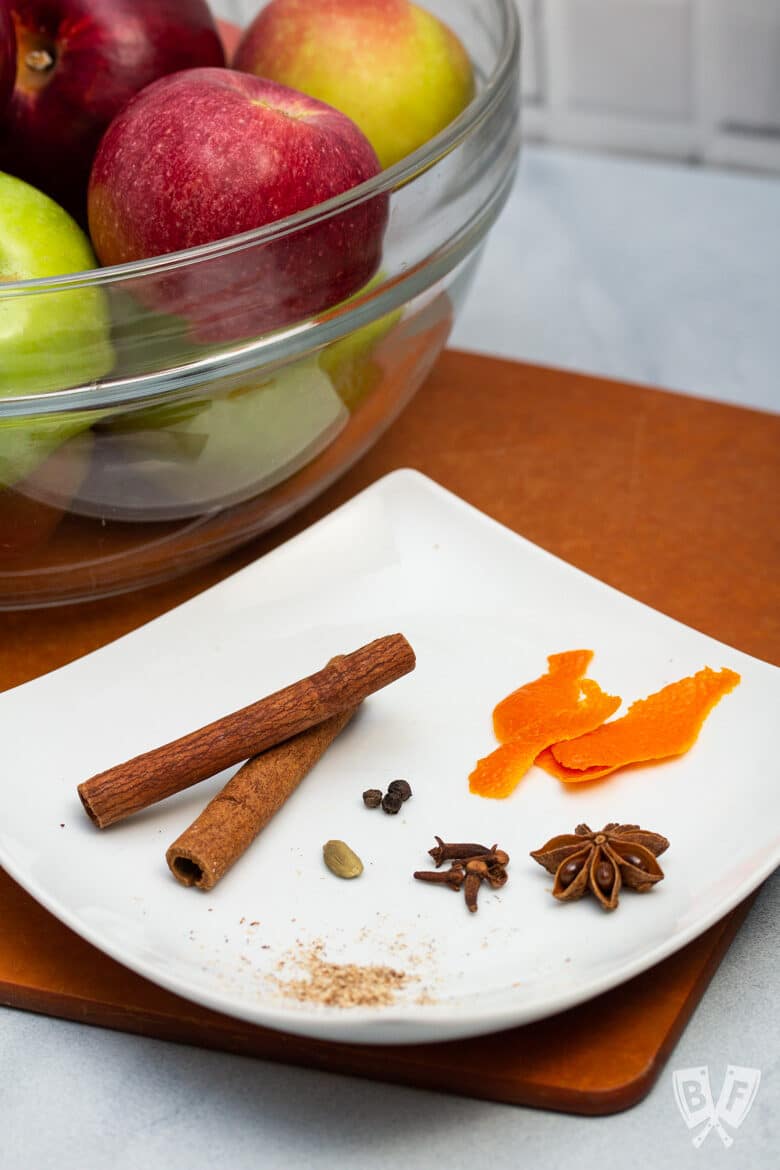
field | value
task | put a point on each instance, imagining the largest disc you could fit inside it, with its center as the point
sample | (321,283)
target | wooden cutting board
(668,498)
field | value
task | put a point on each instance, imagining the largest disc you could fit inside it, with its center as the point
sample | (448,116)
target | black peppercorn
(401,787)
(391,802)
(372,798)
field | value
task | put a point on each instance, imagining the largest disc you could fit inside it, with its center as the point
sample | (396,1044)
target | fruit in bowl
(229,406)
(59,339)
(78,63)
(351,362)
(174,462)
(7,57)
(47,341)
(390,65)
(169,462)
(208,154)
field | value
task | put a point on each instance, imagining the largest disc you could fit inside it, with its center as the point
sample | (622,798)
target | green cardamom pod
(341,860)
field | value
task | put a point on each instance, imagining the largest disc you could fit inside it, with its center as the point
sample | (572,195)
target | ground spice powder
(342,984)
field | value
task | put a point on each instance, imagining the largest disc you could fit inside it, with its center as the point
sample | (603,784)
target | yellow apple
(389,65)
(349,362)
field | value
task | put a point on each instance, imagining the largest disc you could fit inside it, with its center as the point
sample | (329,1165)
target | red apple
(7,56)
(78,63)
(210,153)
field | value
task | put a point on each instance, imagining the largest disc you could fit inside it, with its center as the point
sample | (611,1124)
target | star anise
(602,862)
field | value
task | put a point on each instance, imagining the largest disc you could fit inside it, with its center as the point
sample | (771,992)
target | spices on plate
(559,721)
(341,860)
(663,725)
(472,883)
(456,850)
(340,686)
(343,985)
(557,706)
(453,877)
(398,791)
(471,865)
(230,822)
(391,803)
(602,863)
(534,699)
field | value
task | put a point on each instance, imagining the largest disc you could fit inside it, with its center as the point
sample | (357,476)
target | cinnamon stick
(230,822)
(340,686)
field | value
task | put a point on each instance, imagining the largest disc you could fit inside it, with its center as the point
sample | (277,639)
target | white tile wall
(692,79)
(612,53)
(241,11)
(532,67)
(742,56)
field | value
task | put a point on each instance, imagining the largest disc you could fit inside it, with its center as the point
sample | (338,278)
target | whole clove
(470,865)
(453,877)
(471,889)
(497,876)
(460,851)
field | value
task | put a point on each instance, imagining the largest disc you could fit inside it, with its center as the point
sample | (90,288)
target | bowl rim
(399,175)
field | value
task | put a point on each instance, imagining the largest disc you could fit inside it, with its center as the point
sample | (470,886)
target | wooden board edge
(238,1038)
(626,1096)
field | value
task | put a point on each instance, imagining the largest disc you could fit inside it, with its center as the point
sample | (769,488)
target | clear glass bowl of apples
(228,259)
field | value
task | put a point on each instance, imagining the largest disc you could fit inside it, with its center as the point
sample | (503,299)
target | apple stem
(39,60)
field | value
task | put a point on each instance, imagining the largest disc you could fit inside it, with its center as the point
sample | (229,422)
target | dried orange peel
(559,705)
(552,693)
(663,725)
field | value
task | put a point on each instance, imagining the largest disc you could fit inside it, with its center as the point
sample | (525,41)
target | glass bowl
(172,409)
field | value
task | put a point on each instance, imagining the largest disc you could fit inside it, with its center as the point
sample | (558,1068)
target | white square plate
(483,608)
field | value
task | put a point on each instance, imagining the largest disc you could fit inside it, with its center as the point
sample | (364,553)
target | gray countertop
(641,271)
(648,272)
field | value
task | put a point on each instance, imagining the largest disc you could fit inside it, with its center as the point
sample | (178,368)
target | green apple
(179,460)
(389,65)
(48,341)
